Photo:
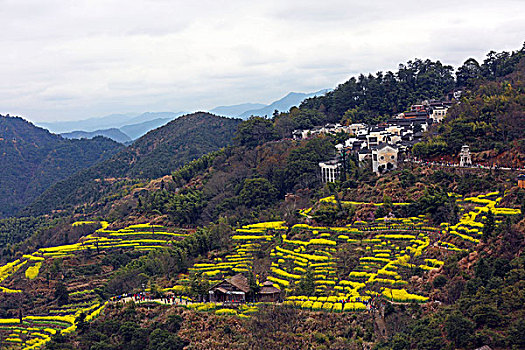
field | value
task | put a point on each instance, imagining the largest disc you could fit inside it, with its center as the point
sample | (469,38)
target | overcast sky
(67,60)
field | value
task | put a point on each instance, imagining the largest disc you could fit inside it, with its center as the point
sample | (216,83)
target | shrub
(225,312)
(401,295)
(32,271)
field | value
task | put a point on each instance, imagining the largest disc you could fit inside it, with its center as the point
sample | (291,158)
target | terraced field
(33,331)
(390,253)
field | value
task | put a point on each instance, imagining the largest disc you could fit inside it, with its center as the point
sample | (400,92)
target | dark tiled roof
(383,145)
(268,288)
(240,282)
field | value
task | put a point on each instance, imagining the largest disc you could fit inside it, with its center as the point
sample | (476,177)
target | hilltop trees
(468,74)
(375,97)
(255,131)
(491,113)
(500,64)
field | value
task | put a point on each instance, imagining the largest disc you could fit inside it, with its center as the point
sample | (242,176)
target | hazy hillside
(134,131)
(235,110)
(114,134)
(90,124)
(156,154)
(125,134)
(106,122)
(32,159)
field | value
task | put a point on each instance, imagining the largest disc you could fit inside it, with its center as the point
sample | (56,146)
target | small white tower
(464,156)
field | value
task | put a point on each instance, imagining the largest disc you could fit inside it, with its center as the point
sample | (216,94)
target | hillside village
(381,145)
(384,145)
(211,233)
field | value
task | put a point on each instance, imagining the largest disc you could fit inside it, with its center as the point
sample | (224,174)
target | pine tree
(489,226)
(306,285)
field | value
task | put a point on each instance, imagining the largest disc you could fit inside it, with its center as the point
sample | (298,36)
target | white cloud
(76,59)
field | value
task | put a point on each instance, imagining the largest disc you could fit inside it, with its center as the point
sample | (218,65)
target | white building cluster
(383,143)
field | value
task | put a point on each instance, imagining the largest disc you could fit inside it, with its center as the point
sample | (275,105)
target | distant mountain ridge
(32,159)
(113,133)
(90,124)
(246,110)
(282,105)
(107,122)
(133,126)
(236,110)
(134,131)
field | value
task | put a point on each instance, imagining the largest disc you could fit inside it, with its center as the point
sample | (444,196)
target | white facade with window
(438,114)
(384,158)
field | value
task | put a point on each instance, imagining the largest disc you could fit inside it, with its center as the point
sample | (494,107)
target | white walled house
(438,114)
(357,129)
(384,158)
(394,130)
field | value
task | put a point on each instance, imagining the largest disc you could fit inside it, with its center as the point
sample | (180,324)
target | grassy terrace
(33,331)
(388,251)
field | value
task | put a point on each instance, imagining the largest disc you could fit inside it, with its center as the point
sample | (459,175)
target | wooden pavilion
(235,290)
(269,293)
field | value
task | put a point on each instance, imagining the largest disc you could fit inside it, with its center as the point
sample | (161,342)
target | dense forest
(14,230)
(154,155)
(238,182)
(490,117)
(376,97)
(32,159)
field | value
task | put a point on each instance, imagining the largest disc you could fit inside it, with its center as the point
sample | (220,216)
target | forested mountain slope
(425,256)
(155,154)
(490,118)
(32,159)
(263,165)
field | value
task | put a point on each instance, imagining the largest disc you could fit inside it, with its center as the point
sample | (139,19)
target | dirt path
(380,324)
(159,301)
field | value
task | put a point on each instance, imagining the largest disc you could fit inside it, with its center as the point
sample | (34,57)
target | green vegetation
(374,98)
(490,116)
(419,258)
(33,159)
(154,155)
(15,230)
(239,182)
